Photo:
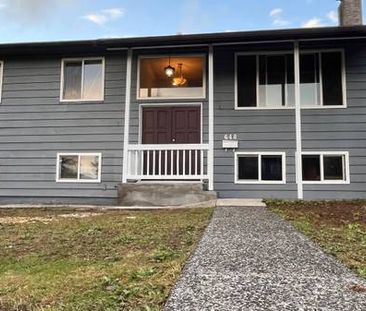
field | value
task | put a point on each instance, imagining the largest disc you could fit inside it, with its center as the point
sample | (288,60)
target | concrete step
(163,194)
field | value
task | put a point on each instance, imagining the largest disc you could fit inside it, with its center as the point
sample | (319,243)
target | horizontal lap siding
(35,126)
(342,130)
(257,130)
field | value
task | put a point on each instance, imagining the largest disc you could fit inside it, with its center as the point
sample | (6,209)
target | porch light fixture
(180,80)
(169,70)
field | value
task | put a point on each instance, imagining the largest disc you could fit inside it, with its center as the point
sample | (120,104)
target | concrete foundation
(178,194)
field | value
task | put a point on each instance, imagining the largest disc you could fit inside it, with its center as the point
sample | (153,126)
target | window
(327,167)
(74,167)
(260,168)
(321,79)
(267,80)
(82,80)
(1,79)
(186,78)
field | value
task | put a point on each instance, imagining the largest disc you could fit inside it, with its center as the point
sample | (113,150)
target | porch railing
(167,162)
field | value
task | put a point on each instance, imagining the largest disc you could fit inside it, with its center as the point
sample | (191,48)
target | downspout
(127,116)
(210,159)
(298,153)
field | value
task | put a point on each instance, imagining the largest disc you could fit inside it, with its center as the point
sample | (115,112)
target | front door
(171,125)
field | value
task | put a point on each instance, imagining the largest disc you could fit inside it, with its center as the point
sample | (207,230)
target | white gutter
(127,115)
(211,142)
(298,153)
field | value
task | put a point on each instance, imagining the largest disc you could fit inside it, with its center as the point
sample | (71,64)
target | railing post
(210,154)
(127,116)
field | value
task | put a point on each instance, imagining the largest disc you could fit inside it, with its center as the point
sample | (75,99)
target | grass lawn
(83,260)
(338,226)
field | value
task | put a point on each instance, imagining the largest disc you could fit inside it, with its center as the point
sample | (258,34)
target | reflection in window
(79,167)
(184,79)
(83,80)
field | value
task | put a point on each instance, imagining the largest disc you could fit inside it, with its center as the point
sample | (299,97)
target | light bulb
(169,71)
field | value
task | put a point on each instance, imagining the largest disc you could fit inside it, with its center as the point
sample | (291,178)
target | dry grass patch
(108,261)
(338,226)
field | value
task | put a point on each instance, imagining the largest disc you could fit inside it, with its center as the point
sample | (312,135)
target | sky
(54,20)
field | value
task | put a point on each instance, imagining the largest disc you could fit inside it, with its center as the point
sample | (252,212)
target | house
(257,114)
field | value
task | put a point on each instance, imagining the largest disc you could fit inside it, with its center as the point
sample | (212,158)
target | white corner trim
(211,112)
(259,154)
(1,79)
(298,158)
(82,60)
(126,132)
(78,179)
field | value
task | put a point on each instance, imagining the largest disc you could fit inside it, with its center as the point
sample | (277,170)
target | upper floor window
(171,77)
(82,79)
(268,80)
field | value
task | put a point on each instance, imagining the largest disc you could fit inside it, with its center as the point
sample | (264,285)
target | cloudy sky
(45,20)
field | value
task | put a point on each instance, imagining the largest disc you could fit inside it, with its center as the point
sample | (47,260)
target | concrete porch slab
(240,203)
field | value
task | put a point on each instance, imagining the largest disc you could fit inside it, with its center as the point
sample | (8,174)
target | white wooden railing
(167,162)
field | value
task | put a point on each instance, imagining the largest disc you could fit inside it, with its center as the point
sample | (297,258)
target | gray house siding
(342,130)
(257,130)
(35,126)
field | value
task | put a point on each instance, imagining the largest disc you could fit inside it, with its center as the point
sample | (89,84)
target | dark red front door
(171,125)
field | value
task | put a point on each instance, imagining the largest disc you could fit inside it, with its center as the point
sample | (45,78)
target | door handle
(173,140)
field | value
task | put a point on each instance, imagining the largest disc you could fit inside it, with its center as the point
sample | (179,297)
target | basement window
(82,79)
(260,168)
(171,77)
(327,167)
(78,167)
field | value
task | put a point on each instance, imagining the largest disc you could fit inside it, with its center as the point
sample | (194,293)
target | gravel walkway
(250,259)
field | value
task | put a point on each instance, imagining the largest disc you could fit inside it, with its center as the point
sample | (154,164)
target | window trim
(204,77)
(82,59)
(1,79)
(283,52)
(322,181)
(78,180)
(259,181)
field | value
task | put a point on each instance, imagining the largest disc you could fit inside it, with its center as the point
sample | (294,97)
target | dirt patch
(338,226)
(45,220)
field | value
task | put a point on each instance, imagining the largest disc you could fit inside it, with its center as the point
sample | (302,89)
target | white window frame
(82,60)
(260,181)
(321,154)
(284,52)
(78,179)
(204,78)
(1,79)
